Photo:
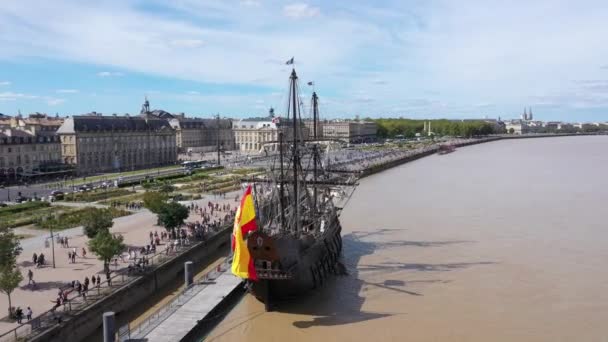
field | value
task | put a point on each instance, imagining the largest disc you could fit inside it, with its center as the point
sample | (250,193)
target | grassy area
(122,200)
(74,218)
(80,181)
(17,208)
(32,214)
(96,195)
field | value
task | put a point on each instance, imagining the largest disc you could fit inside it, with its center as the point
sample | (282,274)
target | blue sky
(419,59)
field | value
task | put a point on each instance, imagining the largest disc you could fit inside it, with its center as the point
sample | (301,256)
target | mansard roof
(112,123)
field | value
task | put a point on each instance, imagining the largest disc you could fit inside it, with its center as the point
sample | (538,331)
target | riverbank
(497,242)
(430,150)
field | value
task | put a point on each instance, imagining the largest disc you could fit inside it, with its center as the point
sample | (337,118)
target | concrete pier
(205,296)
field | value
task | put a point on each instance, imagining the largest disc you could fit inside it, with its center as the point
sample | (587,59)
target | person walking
(30,277)
(28,313)
(19,315)
(84,252)
(98,281)
(35,258)
(70,257)
(93,280)
(108,279)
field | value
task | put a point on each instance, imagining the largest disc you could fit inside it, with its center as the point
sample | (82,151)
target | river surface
(504,241)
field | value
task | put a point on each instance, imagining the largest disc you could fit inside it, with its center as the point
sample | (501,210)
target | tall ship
(287,238)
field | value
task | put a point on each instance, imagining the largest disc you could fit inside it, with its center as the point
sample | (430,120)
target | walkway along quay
(194,312)
(363,163)
(78,318)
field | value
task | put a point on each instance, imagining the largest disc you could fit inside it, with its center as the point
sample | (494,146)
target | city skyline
(414,59)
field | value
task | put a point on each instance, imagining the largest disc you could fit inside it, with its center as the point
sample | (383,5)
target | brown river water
(504,241)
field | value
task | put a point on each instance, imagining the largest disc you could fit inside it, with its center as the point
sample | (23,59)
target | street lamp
(53,246)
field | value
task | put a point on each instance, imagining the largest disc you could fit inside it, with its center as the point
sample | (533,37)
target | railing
(143,328)
(75,303)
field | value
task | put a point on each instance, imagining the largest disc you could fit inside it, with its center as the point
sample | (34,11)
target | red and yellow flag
(244,222)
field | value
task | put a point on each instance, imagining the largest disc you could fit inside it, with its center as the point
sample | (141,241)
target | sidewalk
(135,228)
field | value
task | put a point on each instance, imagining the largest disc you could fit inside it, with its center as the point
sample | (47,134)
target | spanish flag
(244,222)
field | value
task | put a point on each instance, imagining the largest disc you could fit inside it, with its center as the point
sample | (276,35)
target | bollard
(188,273)
(109,327)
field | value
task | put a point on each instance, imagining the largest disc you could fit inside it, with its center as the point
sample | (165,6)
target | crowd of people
(134,205)
(209,218)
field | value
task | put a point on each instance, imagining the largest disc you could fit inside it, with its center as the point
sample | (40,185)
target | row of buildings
(526,124)
(40,145)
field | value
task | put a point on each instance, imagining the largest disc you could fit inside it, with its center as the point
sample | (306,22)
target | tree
(10,277)
(95,221)
(511,130)
(105,246)
(172,215)
(154,200)
(167,188)
(9,246)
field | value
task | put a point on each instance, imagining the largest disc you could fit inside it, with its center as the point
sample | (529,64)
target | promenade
(41,297)
(195,303)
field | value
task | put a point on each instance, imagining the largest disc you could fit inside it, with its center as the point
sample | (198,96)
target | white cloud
(67,91)
(5,83)
(460,53)
(54,101)
(10,96)
(193,92)
(109,74)
(250,3)
(300,10)
(187,43)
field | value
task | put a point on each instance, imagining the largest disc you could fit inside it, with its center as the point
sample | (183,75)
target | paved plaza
(134,228)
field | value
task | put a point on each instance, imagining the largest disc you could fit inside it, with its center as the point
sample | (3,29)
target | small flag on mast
(290,61)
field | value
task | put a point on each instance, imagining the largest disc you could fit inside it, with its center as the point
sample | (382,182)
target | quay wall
(379,168)
(90,319)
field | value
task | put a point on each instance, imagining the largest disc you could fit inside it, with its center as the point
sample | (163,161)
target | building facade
(29,147)
(25,154)
(201,135)
(194,134)
(253,134)
(350,131)
(95,143)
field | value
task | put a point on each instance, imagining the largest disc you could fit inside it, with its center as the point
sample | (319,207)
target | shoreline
(374,169)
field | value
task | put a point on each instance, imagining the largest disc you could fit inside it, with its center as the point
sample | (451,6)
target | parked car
(57,195)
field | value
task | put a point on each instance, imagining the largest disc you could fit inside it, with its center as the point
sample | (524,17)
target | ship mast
(315,118)
(281,188)
(293,78)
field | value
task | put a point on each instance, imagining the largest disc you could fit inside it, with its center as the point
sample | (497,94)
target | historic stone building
(201,135)
(94,143)
(26,154)
(29,147)
(350,131)
(195,134)
(254,133)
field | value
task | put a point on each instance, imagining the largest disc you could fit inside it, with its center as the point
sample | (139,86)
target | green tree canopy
(10,247)
(172,215)
(391,127)
(106,245)
(167,188)
(95,221)
(10,277)
(154,200)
